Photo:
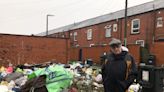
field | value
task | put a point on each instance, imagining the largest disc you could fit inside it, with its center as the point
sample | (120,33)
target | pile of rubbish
(50,77)
(86,78)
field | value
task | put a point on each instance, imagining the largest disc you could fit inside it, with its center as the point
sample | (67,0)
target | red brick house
(144,26)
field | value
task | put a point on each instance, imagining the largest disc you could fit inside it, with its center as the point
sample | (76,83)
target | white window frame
(89,34)
(115,27)
(159,22)
(75,36)
(133,29)
(140,42)
(108,31)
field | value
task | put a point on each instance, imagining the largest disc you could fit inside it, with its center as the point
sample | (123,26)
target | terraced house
(144,27)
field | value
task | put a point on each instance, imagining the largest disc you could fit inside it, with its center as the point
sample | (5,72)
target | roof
(143,8)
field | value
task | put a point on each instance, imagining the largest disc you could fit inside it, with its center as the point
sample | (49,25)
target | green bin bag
(57,77)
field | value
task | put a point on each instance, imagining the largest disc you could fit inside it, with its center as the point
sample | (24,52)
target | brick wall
(94,53)
(157,50)
(74,54)
(135,51)
(29,49)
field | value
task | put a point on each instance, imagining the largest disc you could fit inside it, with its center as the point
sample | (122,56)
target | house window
(135,26)
(75,36)
(114,27)
(89,34)
(70,34)
(159,22)
(63,35)
(140,42)
(108,30)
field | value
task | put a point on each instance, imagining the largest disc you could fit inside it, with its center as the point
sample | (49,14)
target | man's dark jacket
(114,72)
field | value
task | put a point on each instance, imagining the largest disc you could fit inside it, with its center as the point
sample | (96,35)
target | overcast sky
(28,17)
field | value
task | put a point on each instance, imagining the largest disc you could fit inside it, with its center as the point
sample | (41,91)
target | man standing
(119,69)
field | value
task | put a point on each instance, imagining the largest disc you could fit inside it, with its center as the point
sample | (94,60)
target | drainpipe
(120,29)
(154,24)
(67,50)
(125,30)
